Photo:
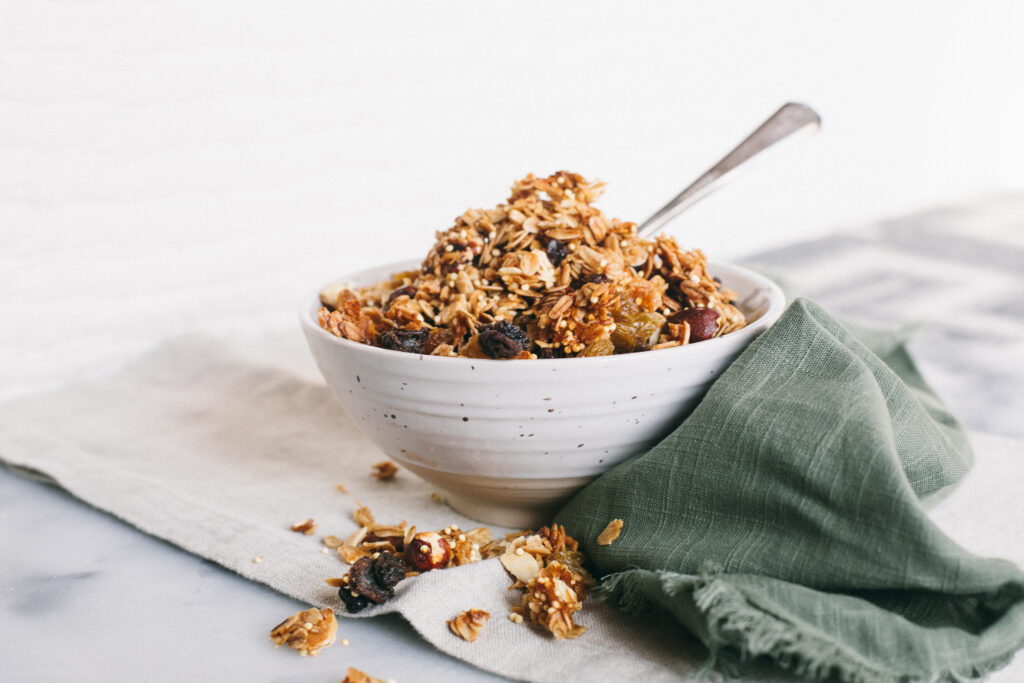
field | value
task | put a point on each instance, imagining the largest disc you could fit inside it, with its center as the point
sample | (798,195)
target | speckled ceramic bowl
(511,440)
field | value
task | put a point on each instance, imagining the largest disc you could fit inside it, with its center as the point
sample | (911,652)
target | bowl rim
(776,305)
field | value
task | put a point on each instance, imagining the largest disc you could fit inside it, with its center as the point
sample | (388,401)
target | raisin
(556,252)
(599,278)
(545,352)
(363,580)
(407,290)
(502,340)
(703,322)
(409,341)
(389,569)
(601,347)
(438,336)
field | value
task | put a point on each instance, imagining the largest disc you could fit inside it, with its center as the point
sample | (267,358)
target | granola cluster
(549,566)
(469,623)
(308,631)
(544,275)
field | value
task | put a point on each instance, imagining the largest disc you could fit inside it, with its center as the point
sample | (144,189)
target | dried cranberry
(389,569)
(503,340)
(703,322)
(409,341)
(599,278)
(407,290)
(556,252)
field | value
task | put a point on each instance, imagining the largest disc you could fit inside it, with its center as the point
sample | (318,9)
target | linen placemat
(220,455)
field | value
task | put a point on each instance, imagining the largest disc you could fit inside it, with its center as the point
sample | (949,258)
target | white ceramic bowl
(509,440)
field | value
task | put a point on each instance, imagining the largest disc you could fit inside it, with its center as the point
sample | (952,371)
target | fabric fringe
(737,632)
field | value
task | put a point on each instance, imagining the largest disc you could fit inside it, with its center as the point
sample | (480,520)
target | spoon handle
(789,119)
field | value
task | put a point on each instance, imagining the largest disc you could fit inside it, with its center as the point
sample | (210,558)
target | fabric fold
(784,517)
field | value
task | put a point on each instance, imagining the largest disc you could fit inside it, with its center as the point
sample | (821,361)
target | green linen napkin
(784,519)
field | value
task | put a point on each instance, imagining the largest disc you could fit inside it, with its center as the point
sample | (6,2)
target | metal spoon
(789,119)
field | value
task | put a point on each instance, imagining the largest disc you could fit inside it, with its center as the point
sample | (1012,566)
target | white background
(167,166)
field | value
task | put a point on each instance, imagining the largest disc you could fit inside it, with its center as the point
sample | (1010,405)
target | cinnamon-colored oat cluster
(544,275)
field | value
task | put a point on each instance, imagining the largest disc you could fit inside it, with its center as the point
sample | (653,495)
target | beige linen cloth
(220,455)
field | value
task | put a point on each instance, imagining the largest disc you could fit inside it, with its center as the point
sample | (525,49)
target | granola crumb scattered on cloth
(306,526)
(385,471)
(610,533)
(308,631)
(469,624)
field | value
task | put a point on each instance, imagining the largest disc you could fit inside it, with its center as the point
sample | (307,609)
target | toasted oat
(308,631)
(363,516)
(337,582)
(385,470)
(610,533)
(332,541)
(307,526)
(341,487)
(356,676)
(469,623)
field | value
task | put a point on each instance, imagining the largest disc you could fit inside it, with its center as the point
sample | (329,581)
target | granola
(469,623)
(610,533)
(308,631)
(544,275)
(548,565)
(306,526)
(385,471)
(354,675)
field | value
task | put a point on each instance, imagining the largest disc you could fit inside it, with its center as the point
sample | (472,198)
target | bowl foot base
(517,503)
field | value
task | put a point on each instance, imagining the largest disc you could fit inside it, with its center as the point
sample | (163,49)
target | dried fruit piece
(406,290)
(308,631)
(503,340)
(428,550)
(385,471)
(703,322)
(469,623)
(610,533)
(389,569)
(409,341)
(306,526)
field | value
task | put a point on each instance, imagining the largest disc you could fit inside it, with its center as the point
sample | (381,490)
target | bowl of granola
(538,344)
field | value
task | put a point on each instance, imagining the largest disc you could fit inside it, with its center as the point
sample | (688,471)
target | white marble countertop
(198,166)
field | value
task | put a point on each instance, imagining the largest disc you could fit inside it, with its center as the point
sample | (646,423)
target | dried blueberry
(354,602)
(556,252)
(389,569)
(409,341)
(502,340)
(703,322)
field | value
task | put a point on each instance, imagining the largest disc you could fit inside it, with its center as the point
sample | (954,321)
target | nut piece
(468,624)
(308,631)
(356,676)
(610,533)
(428,550)
(385,471)
(307,526)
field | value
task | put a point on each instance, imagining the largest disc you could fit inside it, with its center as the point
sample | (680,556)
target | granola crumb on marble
(308,631)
